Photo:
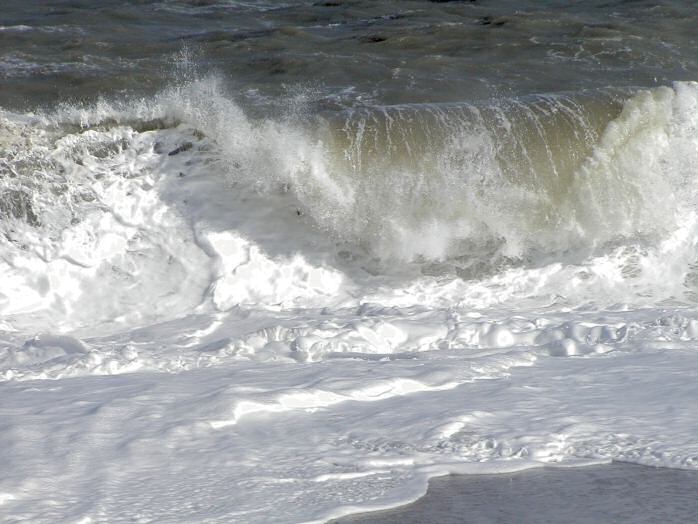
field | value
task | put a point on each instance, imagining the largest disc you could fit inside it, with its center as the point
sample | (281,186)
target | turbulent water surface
(285,261)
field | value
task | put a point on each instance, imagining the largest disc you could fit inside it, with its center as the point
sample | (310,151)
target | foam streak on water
(207,316)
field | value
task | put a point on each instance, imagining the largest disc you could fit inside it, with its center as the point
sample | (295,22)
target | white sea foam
(262,332)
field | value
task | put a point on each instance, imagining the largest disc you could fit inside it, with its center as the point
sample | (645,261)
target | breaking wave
(163,200)
(512,178)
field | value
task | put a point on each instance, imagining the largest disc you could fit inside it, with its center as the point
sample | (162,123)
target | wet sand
(597,494)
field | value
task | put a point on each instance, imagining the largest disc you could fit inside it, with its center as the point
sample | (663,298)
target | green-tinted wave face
(465,187)
(512,178)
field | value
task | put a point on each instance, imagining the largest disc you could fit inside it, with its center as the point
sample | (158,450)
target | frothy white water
(473,188)
(325,315)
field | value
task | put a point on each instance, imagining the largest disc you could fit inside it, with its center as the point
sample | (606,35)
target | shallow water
(284,262)
(615,493)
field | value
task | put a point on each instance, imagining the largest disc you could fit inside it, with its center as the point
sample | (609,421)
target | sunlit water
(284,262)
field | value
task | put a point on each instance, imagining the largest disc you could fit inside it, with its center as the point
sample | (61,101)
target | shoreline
(616,492)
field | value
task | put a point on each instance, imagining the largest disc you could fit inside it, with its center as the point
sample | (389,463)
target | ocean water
(287,261)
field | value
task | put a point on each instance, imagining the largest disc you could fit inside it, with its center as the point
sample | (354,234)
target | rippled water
(345,52)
